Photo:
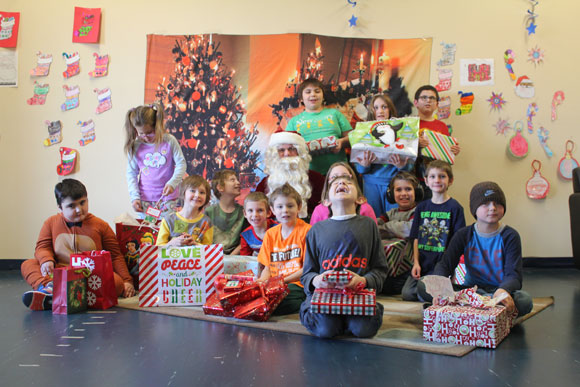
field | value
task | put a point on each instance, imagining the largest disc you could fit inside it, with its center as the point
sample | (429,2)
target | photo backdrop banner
(224,95)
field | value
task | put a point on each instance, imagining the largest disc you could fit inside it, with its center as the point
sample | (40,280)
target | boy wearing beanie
(492,251)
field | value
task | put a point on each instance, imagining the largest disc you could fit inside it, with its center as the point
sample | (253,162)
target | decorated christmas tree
(205,112)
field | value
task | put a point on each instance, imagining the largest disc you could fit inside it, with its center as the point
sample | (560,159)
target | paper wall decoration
(71,94)
(87,25)
(466,101)
(68,160)
(104,97)
(496,101)
(556,100)
(448,54)
(9,22)
(537,186)
(543,136)
(42,68)
(518,145)
(524,87)
(476,72)
(444,108)
(531,16)
(40,92)
(536,55)
(445,76)
(8,68)
(87,132)
(501,126)
(532,110)
(509,58)
(101,66)
(54,132)
(567,163)
(72,64)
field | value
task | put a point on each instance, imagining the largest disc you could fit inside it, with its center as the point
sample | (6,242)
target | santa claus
(287,159)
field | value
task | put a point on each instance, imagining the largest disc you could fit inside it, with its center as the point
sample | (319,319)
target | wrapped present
(69,290)
(238,263)
(274,287)
(176,276)
(101,290)
(396,136)
(249,291)
(344,302)
(439,147)
(254,309)
(321,145)
(131,238)
(459,273)
(337,277)
(213,307)
(399,253)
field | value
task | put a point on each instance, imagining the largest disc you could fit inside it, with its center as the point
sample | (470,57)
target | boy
(282,252)
(227,216)
(257,213)
(492,251)
(436,220)
(71,231)
(190,226)
(346,241)
(316,122)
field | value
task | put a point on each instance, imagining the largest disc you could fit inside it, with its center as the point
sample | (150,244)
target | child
(257,213)
(492,251)
(73,230)
(227,216)
(282,252)
(377,177)
(317,122)
(155,164)
(395,226)
(427,101)
(323,210)
(346,241)
(189,226)
(435,222)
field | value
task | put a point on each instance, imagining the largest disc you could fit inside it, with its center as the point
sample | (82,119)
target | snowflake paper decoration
(502,126)
(536,56)
(496,101)
(91,298)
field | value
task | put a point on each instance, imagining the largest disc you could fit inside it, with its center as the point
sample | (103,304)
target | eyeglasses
(426,98)
(334,179)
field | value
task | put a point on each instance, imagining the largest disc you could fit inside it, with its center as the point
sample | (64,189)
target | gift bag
(398,136)
(69,293)
(439,147)
(131,238)
(177,276)
(101,291)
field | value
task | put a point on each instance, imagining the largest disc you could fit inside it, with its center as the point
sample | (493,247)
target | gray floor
(143,349)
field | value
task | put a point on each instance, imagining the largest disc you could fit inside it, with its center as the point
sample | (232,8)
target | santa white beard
(294,171)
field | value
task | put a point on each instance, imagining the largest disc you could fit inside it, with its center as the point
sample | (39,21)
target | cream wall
(480,29)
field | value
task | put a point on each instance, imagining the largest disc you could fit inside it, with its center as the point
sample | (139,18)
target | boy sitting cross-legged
(282,251)
(346,241)
(73,230)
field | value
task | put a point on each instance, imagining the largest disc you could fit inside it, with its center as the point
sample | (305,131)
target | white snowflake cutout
(91,298)
(89,263)
(95,282)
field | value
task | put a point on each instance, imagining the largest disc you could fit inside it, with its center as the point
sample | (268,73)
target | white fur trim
(280,138)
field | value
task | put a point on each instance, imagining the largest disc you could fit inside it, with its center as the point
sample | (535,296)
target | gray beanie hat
(485,192)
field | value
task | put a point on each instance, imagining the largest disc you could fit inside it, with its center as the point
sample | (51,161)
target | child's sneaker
(39,299)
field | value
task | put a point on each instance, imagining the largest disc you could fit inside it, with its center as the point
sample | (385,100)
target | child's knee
(320,325)
(523,302)
(367,326)
(119,285)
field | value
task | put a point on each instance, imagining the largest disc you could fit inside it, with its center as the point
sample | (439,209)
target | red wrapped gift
(255,309)
(222,279)
(339,277)
(344,302)
(274,287)
(248,292)
(466,325)
(101,292)
(69,293)
(131,238)
(214,307)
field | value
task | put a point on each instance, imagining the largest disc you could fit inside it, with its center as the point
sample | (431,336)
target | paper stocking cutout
(466,101)
(567,163)
(543,136)
(101,66)
(87,131)
(40,92)
(557,100)
(72,64)
(54,133)
(445,76)
(6,26)
(518,145)
(444,108)
(104,97)
(72,98)
(42,65)
(537,187)
(448,57)
(68,160)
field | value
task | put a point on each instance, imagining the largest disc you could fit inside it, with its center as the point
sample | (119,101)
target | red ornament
(231,133)
(229,163)
(186,61)
(196,96)
(223,109)
(182,107)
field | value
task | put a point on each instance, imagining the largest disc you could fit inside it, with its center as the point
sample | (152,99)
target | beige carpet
(402,324)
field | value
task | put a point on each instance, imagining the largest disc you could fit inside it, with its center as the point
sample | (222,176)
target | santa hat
(286,137)
(523,79)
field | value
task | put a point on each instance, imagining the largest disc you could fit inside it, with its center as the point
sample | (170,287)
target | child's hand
(129,290)
(455,149)
(47,268)
(508,302)
(319,283)
(398,161)
(367,159)
(423,142)
(167,190)
(356,279)
(339,144)
(416,271)
(182,240)
(137,205)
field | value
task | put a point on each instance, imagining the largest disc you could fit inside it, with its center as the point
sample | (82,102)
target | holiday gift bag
(101,291)
(69,290)
(131,238)
(384,138)
(175,276)
(439,147)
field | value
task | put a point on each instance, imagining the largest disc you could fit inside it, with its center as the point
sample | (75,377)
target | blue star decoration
(352,21)
(531,28)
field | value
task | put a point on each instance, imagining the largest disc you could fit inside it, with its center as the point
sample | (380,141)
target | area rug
(402,324)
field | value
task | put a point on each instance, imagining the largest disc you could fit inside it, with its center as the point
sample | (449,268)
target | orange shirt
(284,256)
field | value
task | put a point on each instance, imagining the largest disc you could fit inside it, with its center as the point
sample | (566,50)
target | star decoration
(531,28)
(502,126)
(496,101)
(536,55)
(352,21)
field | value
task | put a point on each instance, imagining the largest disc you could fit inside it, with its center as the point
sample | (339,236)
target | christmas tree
(205,112)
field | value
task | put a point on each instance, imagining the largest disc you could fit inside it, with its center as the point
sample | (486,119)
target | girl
(156,164)
(189,226)
(395,228)
(322,211)
(376,177)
